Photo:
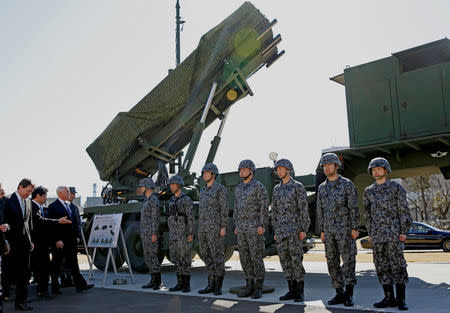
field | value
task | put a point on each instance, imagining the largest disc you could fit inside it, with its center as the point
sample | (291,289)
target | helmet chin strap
(207,181)
(287,173)
(245,178)
(383,176)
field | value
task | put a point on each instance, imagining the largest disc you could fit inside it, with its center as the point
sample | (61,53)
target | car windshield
(421,227)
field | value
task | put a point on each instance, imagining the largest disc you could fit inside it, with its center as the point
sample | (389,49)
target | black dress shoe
(89,286)
(85,288)
(43,295)
(23,307)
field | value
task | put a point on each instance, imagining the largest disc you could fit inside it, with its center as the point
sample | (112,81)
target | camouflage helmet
(176,179)
(284,163)
(247,164)
(210,167)
(329,158)
(379,162)
(147,183)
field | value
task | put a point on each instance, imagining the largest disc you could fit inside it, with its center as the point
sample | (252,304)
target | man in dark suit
(66,276)
(4,247)
(40,260)
(17,214)
(64,242)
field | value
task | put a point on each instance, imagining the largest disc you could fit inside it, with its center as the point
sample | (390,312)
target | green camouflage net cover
(162,103)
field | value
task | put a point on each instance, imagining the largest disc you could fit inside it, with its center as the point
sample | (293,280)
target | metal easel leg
(90,261)
(126,256)
(106,266)
(91,271)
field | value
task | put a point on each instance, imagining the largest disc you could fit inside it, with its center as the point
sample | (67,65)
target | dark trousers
(40,264)
(18,270)
(7,275)
(3,260)
(69,254)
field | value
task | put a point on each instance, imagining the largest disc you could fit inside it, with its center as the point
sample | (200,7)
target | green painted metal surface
(398,108)
(400,97)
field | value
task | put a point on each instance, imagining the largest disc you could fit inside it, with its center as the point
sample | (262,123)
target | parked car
(421,236)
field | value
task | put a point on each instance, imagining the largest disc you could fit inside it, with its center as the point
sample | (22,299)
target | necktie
(22,206)
(69,211)
(42,211)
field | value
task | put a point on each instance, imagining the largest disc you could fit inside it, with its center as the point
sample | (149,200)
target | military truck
(397,108)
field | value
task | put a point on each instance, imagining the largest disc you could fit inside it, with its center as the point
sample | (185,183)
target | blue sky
(68,67)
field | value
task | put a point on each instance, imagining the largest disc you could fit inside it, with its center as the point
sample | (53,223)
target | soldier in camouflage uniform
(337,209)
(181,233)
(388,221)
(250,216)
(212,223)
(291,222)
(150,214)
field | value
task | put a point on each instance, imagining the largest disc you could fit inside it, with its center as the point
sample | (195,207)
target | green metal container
(404,96)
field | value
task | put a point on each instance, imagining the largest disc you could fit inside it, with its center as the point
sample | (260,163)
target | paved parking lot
(427,291)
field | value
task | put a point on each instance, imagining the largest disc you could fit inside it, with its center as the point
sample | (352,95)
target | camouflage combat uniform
(337,208)
(150,214)
(387,216)
(181,225)
(290,217)
(251,212)
(213,215)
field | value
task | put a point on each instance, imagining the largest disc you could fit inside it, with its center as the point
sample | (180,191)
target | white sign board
(105,231)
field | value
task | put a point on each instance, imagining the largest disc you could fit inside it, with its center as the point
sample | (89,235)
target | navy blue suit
(67,233)
(2,235)
(40,260)
(76,223)
(2,240)
(19,238)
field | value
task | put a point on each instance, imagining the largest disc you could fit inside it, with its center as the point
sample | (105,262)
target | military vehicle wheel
(132,236)
(446,245)
(100,258)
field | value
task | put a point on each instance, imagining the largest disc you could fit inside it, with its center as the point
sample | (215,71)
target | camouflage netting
(161,104)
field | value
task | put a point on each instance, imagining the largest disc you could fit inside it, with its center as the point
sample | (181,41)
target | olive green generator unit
(398,108)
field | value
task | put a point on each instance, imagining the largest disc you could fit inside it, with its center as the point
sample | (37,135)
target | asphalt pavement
(427,291)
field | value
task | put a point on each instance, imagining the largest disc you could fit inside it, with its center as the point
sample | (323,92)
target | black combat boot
(151,283)
(210,287)
(349,295)
(157,281)
(179,284)
(289,295)
(248,290)
(338,298)
(401,297)
(389,298)
(299,291)
(258,289)
(186,283)
(218,285)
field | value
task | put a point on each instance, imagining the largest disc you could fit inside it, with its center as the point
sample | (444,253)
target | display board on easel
(106,233)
